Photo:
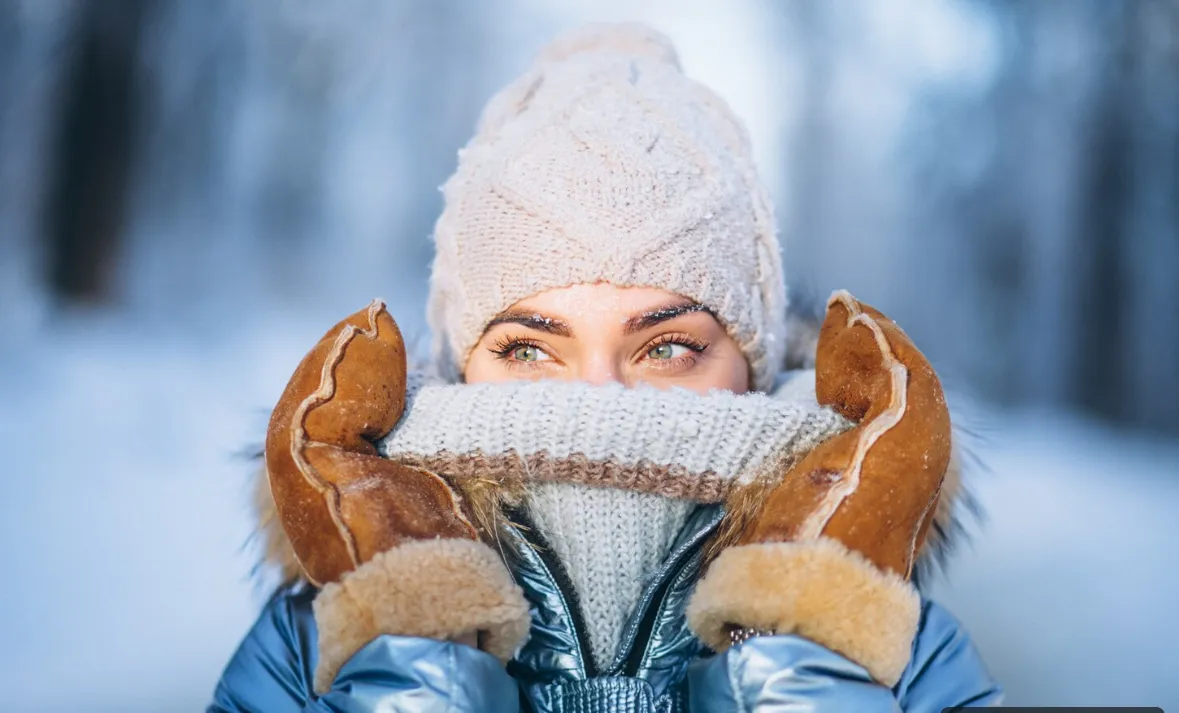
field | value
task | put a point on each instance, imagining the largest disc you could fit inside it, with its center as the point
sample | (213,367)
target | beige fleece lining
(438,589)
(817,589)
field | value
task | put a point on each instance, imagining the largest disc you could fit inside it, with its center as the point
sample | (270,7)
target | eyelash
(504,346)
(686,340)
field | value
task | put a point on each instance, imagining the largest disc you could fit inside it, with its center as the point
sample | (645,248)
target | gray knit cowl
(610,474)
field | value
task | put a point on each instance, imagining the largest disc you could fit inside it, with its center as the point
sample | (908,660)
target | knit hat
(603,162)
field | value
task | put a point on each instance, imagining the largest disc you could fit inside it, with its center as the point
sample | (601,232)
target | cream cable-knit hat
(605,163)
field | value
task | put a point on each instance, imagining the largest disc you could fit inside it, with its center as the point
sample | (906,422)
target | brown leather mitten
(830,552)
(390,545)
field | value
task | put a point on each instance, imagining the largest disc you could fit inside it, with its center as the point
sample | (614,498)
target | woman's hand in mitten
(389,544)
(830,551)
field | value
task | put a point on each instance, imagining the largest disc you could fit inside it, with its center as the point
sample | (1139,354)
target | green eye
(526,352)
(666,351)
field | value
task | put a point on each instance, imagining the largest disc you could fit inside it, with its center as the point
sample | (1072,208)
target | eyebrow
(650,318)
(532,320)
(560,328)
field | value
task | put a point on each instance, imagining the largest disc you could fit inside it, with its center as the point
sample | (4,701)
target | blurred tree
(1064,242)
(1002,175)
(1150,229)
(1099,288)
(1123,295)
(92,155)
(277,137)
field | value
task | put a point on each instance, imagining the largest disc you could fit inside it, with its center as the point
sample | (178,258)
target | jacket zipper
(653,604)
(556,572)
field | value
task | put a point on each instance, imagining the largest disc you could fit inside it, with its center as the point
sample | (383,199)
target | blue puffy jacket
(661,666)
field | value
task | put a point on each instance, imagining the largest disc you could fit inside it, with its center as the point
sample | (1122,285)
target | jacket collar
(656,643)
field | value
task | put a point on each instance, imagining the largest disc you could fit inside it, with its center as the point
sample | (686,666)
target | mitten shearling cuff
(438,589)
(818,589)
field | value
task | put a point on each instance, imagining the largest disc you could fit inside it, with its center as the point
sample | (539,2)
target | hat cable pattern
(604,162)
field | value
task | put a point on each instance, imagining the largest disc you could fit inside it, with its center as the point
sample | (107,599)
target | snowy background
(192,192)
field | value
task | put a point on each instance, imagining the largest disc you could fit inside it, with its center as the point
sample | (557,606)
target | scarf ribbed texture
(610,473)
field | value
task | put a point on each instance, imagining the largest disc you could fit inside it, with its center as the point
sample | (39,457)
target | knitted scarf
(606,474)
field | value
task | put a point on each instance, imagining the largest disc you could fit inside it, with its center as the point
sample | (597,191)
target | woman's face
(601,333)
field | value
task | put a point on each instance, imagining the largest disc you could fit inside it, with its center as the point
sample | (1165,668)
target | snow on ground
(124,512)
(123,521)
(1070,590)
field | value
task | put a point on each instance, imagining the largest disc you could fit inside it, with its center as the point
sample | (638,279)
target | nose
(600,369)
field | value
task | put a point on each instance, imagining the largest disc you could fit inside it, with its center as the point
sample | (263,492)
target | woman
(540,529)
